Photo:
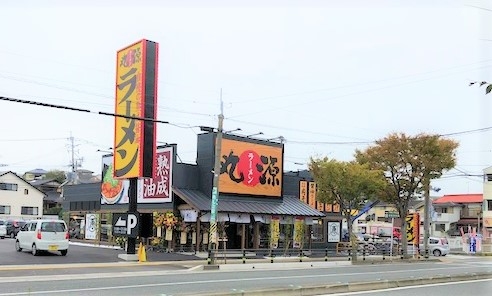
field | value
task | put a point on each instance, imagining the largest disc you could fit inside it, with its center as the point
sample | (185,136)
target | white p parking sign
(126,224)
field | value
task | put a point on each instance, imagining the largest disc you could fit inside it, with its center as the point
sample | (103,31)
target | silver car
(438,246)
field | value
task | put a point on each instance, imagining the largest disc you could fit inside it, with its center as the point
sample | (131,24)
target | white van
(43,235)
(3,229)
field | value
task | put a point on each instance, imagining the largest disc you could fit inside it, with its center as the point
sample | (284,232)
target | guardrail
(341,253)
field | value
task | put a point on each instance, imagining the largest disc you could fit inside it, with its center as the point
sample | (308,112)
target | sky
(328,76)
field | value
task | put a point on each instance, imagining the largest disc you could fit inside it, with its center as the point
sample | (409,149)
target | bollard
(300,255)
(209,258)
(349,254)
(244,256)
(384,251)
(326,254)
(364,254)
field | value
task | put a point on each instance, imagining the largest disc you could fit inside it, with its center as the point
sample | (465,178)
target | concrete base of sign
(128,257)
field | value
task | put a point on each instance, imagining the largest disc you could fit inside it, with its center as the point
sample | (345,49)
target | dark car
(13,226)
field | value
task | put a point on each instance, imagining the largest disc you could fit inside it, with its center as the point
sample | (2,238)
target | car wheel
(34,250)
(3,237)
(17,246)
(12,235)
(64,252)
(436,253)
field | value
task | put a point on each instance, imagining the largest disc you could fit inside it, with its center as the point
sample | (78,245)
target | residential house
(18,198)
(455,212)
(52,190)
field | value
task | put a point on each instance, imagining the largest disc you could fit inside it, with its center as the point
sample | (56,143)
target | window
(489,205)
(5,210)
(29,210)
(8,186)
(440,227)
(52,227)
(318,231)
(489,177)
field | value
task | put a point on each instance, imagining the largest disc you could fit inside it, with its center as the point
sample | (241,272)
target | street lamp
(234,130)
(279,138)
(260,133)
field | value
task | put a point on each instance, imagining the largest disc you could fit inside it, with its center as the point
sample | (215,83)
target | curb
(354,287)
(94,265)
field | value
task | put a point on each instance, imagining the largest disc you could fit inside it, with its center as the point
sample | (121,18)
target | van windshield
(53,227)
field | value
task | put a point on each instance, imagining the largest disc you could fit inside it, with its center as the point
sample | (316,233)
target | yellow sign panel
(312,195)
(129,132)
(250,168)
(413,226)
(303,194)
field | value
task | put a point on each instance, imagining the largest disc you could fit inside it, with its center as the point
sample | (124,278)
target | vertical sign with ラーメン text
(136,100)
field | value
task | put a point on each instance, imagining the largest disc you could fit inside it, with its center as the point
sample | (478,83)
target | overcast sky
(326,76)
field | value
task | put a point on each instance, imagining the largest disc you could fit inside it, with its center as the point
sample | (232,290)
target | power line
(180,126)
(478,7)
(81,110)
(304,102)
(31,140)
(358,83)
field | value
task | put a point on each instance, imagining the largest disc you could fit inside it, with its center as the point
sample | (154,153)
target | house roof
(460,198)
(37,172)
(290,205)
(45,181)
(23,180)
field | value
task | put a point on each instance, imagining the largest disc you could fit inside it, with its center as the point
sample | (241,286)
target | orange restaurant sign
(136,94)
(251,168)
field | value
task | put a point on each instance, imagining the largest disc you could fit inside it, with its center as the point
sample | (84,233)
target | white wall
(18,199)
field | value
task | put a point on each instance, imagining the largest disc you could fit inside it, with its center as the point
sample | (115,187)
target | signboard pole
(132,208)
(426,216)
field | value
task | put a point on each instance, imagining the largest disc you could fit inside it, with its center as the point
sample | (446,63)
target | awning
(467,221)
(221,217)
(289,205)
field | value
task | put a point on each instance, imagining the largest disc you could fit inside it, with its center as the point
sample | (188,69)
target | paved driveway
(77,254)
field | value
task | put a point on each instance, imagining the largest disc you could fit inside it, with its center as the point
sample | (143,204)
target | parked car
(3,229)
(13,227)
(437,246)
(43,235)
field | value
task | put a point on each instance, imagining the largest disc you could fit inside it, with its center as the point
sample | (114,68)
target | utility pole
(215,189)
(426,215)
(72,148)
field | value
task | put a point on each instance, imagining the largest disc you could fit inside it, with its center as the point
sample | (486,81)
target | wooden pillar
(198,234)
(243,236)
(256,234)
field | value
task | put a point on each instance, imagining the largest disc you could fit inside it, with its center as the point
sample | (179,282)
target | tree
(409,164)
(56,175)
(348,184)
(488,87)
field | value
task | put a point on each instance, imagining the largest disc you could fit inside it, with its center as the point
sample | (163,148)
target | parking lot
(76,254)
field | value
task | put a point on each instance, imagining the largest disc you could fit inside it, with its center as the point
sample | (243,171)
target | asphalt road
(190,282)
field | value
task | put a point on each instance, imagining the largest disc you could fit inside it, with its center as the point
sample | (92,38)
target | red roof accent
(460,198)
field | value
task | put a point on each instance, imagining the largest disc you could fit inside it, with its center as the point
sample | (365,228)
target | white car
(43,235)
(3,229)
